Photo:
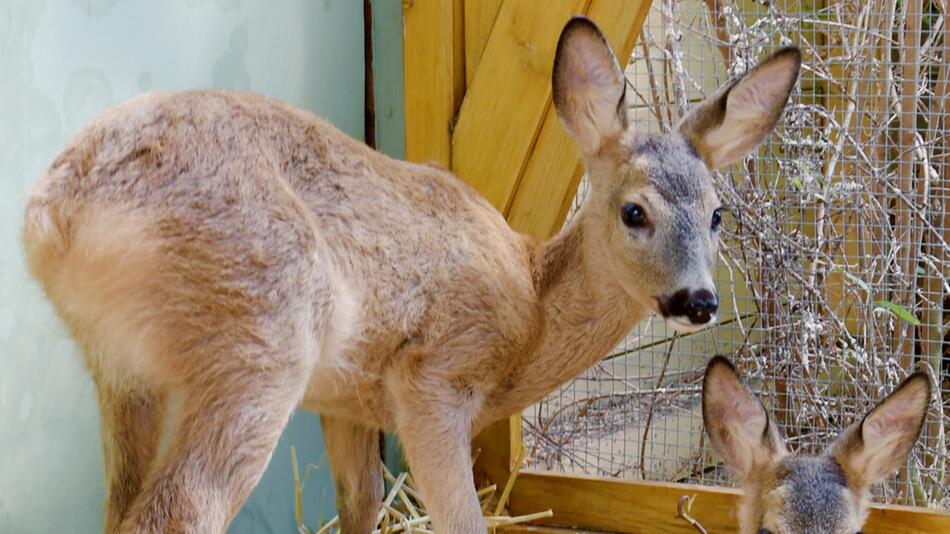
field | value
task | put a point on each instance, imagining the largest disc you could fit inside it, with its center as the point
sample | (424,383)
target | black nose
(701,305)
(698,305)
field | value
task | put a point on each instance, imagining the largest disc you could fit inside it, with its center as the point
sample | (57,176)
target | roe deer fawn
(825,494)
(248,257)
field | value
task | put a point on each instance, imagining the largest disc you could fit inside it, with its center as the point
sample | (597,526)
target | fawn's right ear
(588,86)
(738,425)
(873,448)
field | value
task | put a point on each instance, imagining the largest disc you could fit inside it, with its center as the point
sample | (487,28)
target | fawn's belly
(348,393)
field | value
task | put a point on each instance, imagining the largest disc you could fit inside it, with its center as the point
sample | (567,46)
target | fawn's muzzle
(698,306)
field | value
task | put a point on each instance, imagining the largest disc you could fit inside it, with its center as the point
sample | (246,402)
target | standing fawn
(247,257)
(826,494)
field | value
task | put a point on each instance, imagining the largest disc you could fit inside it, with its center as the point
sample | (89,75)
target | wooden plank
(480,17)
(617,506)
(543,529)
(430,55)
(554,168)
(497,451)
(458,55)
(634,506)
(511,91)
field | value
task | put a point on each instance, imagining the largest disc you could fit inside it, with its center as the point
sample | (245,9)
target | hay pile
(404,510)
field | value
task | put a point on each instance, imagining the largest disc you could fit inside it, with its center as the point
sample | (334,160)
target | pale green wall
(61,63)
(388,78)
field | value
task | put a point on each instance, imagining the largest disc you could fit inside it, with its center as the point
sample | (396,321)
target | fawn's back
(233,209)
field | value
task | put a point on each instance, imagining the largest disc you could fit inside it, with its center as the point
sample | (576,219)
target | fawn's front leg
(436,435)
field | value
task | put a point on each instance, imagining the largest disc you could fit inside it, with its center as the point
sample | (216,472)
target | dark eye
(716,219)
(633,215)
(762,530)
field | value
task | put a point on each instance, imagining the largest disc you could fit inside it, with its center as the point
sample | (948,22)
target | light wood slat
(554,168)
(543,529)
(434,79)
(458,55)
(615,506)
(504,107)
(634,506)
(480,17)
(493,464)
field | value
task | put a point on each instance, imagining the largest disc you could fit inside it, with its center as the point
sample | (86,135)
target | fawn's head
(824,494)
(653,214)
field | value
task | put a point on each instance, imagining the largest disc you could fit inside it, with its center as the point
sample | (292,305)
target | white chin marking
(684,326)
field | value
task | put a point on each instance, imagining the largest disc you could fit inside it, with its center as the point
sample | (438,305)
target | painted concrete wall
(61,63)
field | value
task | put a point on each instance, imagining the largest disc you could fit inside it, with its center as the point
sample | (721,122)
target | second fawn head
(785,493)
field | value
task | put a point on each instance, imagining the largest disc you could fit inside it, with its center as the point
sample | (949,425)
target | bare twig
(683,508)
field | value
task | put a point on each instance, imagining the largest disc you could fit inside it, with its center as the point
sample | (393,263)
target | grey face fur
(811,496)
(823,494)
(652,202)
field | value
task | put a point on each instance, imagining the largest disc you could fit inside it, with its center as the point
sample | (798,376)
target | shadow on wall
(61,63)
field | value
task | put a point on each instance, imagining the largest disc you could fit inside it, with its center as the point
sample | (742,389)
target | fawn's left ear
(738,425)
(874,447)
(730,124)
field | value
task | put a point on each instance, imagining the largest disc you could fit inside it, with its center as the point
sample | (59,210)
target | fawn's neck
(585,315)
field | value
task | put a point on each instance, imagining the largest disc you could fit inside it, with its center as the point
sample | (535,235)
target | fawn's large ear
(739,427)
(874,447)
(728,125)
(588,86)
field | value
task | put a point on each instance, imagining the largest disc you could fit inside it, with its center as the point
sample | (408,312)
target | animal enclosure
(833,271)
(833,268)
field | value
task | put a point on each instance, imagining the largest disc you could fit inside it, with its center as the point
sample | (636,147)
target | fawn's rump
(166,268)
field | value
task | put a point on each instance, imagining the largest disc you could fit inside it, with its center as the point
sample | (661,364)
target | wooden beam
(433,49)
(505,105)
(616,506)
(542,529)
(499,447)
(480,17)
(635,506)
(554,167)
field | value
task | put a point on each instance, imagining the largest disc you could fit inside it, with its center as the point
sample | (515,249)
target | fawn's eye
(716,221)
(764,531)
(633,215)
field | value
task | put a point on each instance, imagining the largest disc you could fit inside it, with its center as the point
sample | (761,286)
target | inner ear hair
(588,86)
(738,424)
(727,126)
(872,448)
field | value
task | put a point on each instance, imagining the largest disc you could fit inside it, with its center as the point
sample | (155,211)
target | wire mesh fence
(835,257)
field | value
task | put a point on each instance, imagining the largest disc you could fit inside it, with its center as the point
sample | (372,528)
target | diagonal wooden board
(553,171)
(508,142)
(508,98)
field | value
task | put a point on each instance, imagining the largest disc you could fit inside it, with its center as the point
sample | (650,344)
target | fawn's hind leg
(131,430)
(229,422)
(353,450)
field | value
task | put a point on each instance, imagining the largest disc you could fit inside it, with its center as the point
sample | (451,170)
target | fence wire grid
(834,259)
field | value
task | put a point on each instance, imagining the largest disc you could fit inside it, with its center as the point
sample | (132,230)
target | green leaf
(898,310)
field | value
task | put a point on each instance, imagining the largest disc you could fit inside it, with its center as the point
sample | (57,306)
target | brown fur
(248,257)
(824,494)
